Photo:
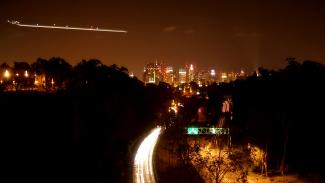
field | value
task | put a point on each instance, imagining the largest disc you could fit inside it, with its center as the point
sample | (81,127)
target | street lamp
(6,74)
(52,82)
(26,74)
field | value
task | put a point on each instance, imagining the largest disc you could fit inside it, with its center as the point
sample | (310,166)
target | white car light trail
(143,170)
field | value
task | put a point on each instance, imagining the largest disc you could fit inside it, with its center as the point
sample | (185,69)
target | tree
(124,69)
(40,66)
(59,70)
(4,65)
(21,67)
(217,163)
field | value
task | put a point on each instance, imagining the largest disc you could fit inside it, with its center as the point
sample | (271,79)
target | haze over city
(226,35)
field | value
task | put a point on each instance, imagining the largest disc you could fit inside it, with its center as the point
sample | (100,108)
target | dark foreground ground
(66,137)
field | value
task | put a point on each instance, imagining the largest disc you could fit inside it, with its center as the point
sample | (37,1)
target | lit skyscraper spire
(190,73)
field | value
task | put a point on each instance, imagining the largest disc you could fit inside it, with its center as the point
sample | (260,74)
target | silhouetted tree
(59,70)
(277,108)
(21,67)
(4,65)
(40,66)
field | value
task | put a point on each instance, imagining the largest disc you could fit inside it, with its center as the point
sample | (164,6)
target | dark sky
(225,35)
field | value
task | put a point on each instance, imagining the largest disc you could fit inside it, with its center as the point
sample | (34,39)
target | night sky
(225,35)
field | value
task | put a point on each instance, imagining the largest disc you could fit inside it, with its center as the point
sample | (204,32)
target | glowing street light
(212,72)
(131,75)
(35,80)
(173,107)
(26,74)
(6,74)
(52,82)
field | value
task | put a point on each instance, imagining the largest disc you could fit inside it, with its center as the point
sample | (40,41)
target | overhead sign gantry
(206,131)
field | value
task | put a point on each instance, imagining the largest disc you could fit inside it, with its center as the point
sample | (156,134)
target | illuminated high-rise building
(153,73)
(212,76)
(169,76)
(231,76)
(191,73)
(202,77)
(241,75)
(224,77)
(181,76)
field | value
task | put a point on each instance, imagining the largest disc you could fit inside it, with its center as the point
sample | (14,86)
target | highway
(143,170)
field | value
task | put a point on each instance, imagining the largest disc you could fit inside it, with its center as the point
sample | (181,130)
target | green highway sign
(206,131)
(192,131)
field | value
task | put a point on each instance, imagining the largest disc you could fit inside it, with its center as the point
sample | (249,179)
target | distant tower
(241,75)
(191,73)
(169,76)
(224,77)
(153,73)
(181,76)
(212,76)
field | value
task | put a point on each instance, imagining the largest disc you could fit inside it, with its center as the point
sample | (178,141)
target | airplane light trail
(65,27)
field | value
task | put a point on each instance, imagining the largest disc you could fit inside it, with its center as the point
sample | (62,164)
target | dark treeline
(86,131)
(283,113)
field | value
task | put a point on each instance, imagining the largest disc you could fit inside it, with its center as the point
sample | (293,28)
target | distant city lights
(155,72)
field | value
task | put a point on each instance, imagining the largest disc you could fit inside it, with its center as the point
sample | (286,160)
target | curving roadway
(143,161)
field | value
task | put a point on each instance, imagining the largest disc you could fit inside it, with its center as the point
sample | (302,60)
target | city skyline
(155,72)
(228,35)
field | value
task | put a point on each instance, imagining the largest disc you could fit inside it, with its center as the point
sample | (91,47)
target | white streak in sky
(65,27)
